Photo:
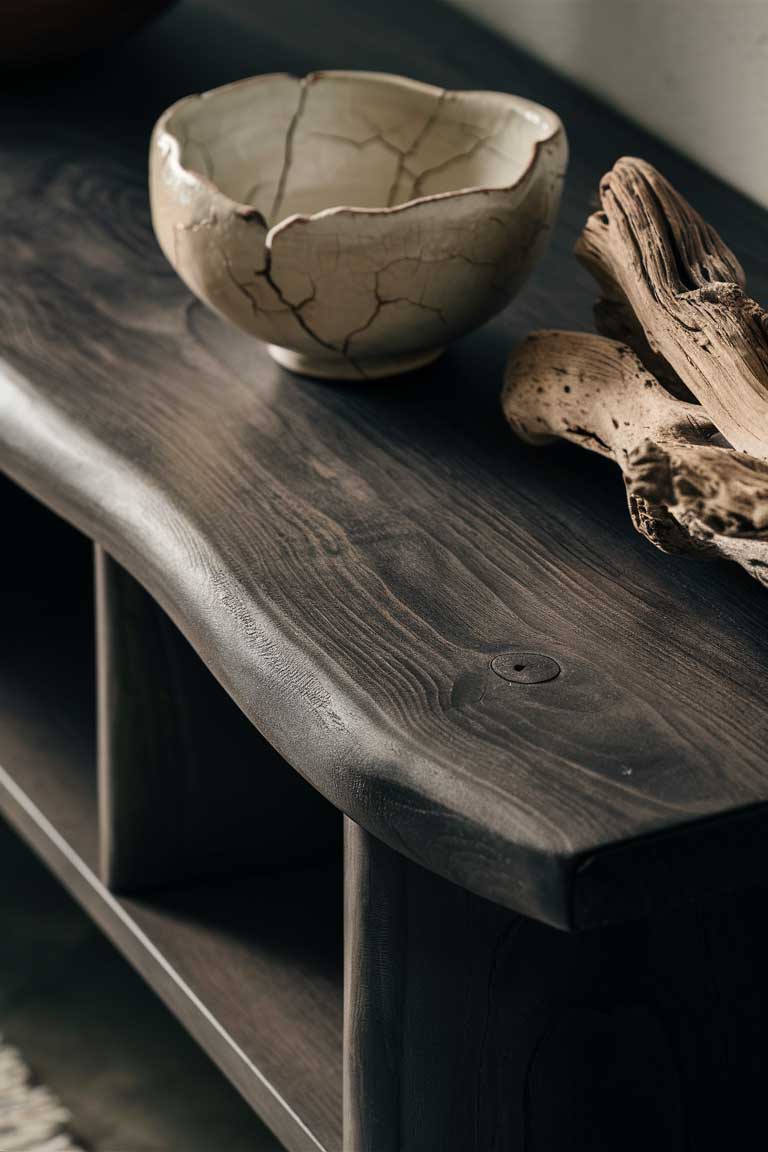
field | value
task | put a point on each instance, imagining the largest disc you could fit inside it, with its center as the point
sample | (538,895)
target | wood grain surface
(348,560)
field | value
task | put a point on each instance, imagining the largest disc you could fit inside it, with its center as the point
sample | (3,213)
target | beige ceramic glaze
(354,221)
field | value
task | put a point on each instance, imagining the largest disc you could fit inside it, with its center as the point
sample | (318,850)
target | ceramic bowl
(356,222)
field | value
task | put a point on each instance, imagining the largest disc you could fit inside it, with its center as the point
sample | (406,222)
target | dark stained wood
(469,1028)
(252,967)
(348,561)
(187,787)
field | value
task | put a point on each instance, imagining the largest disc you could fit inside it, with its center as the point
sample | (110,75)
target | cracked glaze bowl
(356,222)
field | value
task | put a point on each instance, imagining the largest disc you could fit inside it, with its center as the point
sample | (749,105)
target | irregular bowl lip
(248,212)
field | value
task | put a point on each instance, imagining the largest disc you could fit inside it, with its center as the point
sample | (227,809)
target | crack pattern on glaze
(356,289)
(381,302)
(296,310)
(405,155)
(244,286)
(402,167)
(378,137)
(481,143)
(282,182)
(266,274)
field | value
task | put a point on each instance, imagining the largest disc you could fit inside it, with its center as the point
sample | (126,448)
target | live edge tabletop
(348,560)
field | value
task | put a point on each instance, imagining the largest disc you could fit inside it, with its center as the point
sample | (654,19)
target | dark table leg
(472,1029)
(188,789)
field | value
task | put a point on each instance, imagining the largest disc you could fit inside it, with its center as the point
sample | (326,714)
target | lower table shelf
(251,964)
(236,964)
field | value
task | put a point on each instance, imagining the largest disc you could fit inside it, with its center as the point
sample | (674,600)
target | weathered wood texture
(651,251)
(187,787)
(471,1029)
(674,292)
(685,494)
(347,561)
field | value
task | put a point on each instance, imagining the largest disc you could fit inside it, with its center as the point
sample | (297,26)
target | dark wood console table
(289,571)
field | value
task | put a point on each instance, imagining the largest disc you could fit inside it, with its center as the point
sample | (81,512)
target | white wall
(693,71)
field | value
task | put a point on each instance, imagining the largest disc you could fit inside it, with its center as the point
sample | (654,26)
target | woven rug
(31,1118)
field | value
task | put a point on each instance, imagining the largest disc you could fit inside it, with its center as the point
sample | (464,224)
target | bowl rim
(528,108)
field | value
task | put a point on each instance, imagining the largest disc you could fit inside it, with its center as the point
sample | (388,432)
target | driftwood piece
(686,494)
(615,319)
(659,262)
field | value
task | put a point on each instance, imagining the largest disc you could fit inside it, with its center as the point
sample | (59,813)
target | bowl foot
(332,366)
